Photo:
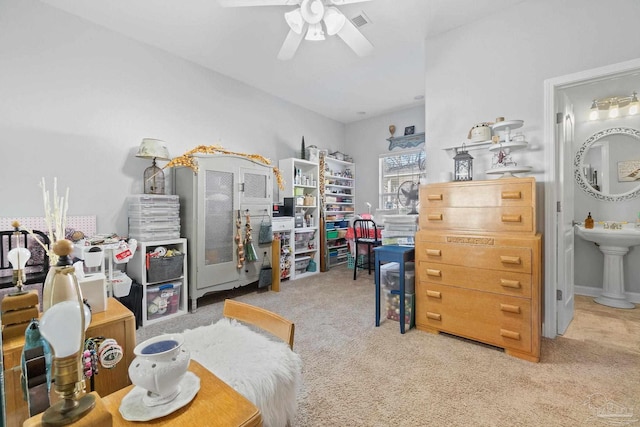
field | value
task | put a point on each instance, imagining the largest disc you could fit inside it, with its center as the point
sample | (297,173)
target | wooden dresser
(479,263)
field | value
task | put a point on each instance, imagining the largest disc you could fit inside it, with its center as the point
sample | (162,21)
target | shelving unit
(283,230)
(137,269)
(301,182)
(338,205)
(502,163)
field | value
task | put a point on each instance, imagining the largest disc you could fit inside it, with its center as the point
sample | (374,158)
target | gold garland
(187,160)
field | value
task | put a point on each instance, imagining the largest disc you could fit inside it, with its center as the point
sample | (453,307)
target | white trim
(549,328)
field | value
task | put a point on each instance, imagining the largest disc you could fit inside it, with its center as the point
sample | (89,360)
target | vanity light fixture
(615,106)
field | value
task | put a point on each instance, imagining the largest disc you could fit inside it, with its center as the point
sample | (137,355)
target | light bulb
(634,105)
(60,326)
(614,111)
(18,257)
(594,114)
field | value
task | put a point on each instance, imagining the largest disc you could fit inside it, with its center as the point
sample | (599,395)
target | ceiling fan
(311,20)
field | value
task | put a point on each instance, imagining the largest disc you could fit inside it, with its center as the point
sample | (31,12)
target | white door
(565,272)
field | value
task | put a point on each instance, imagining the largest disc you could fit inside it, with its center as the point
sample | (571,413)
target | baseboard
(633,297)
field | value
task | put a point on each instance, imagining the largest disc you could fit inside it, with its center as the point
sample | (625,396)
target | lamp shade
(153,149)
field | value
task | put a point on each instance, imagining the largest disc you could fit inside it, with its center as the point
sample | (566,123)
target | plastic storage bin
(390,276)
(164,269)
(332,234)
(391,308)
(163,300)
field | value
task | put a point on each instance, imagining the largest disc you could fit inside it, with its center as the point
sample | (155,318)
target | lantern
(463,165)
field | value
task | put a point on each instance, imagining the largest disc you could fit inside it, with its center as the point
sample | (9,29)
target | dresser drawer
(487,256)
(500,320)
(499,219)
(496,281)
(503,192)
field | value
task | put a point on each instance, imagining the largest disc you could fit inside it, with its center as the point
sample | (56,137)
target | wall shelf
(473,146)
(406,141)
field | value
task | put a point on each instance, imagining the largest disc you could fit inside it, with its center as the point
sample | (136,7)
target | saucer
(132,407)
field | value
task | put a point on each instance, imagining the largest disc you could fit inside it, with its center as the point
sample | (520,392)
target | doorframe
(551,88)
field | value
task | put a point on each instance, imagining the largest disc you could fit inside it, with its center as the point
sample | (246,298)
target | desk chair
(264,370)
(365,232)
(38,265)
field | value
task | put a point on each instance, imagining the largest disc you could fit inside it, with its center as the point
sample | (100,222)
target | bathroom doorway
(565,97)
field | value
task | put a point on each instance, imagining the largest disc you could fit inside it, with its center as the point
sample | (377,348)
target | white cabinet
(217,203)
(301,183)
(339,207)
(163,278)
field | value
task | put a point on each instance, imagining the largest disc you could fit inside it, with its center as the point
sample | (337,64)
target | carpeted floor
(358,375)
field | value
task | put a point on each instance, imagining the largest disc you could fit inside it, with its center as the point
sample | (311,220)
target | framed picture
(409,130)
(629,170)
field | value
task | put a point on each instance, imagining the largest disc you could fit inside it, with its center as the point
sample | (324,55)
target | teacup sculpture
(160,364)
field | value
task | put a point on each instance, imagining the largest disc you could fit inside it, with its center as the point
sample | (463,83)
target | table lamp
(63,325)
(153,175)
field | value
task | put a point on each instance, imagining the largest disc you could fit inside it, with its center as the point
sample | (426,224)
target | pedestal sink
(614,244)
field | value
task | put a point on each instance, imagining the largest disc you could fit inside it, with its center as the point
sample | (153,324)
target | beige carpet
(358,375)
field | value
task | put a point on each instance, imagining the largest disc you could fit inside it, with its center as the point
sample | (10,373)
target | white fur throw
(265,371)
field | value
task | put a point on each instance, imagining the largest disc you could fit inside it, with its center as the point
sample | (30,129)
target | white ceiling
(326,76)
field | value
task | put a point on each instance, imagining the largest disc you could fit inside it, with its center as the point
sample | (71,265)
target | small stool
(401,255)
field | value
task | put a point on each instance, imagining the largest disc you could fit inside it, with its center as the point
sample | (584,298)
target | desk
(401,255)
(116,322)
(215,405)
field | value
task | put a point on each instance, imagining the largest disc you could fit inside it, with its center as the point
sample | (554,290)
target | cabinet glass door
(255,186)
(217,262)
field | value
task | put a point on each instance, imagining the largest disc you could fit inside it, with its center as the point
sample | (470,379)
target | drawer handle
(510,334)
(510,308)
(434,197)
(515,284)
(434,252)
(511,195)
(511,218)
(434,294)
(433,316)
(510,259)
(434,217)
(434,273)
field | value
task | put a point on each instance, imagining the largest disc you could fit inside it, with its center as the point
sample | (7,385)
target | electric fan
(408,196)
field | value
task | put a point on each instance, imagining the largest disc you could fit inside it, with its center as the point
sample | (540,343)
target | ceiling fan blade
(355,39)
(341,2)
(243,3)
(290,45)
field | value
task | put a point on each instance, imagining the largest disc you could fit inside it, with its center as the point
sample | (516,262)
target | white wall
(77,99)
(366,140)
(497,67)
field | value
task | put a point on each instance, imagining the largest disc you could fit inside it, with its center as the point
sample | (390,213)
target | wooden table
(117,322)
(215,405)
(401,255)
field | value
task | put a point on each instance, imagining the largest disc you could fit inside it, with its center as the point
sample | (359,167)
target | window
(396,168)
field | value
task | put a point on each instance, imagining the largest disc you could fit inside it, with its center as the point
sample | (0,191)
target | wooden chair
(365,232)
(261,318)
(261,367)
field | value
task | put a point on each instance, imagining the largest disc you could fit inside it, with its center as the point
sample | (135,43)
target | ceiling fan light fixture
(334,20)
(294,20)
(315,33)
(312,11)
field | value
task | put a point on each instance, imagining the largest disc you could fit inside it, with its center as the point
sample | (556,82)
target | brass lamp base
(60,414)
(97,417)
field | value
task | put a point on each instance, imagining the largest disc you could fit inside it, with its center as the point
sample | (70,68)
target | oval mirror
(607,165)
